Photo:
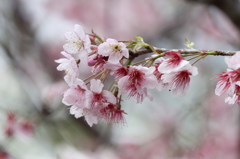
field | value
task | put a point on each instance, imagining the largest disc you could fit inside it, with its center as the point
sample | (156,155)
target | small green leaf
(189,44)
(140,39)
(132,44)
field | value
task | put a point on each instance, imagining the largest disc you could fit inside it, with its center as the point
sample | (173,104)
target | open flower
(77,43)
(118,71)
(174,63)
(179,81)
(114,50)
(99,98)
(76,95)
(136,82)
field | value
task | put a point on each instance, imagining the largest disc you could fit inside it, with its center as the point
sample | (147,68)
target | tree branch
(183,51)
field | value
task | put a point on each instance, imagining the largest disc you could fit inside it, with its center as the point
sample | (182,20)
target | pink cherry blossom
(137,81)
(160,86)
(234,61)
(99,98)
(235,99)
(224,83)
(179,81)
(174,63)
(118,71)
(77,43)
(98,63)
(113,114)
(114,50)
(76,95)
(90,115)
(226,80)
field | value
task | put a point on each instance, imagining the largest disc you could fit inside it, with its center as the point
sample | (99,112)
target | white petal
(91,119)
(83,56)
(87,43)
(77,112)
(114,58)
(104,49)
(150,82)
(71,48)
(71,36)
(96,86)
(124,50)
(70,97)
(79,30)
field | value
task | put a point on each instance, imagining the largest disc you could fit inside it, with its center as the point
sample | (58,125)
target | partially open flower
(77,43)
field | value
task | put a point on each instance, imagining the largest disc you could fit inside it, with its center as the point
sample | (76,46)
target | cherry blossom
(98,63)
(91,116)
(224,82)
(118,71)
(100,98)
(235,99)
(174,63)
(69,65)
(76,95)
(160,86)
(229,81)
(179,81)
(137,81)
(233,62)
(113,114)
(113,49)
(77,43)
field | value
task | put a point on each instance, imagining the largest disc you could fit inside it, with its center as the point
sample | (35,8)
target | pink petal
(109,96)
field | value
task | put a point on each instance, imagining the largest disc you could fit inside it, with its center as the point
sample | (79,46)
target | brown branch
(183,51)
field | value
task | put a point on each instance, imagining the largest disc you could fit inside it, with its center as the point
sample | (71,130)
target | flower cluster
(229,81)
(109,57)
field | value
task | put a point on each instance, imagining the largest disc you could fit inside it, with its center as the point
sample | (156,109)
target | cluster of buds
(89,97)
(229,81)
